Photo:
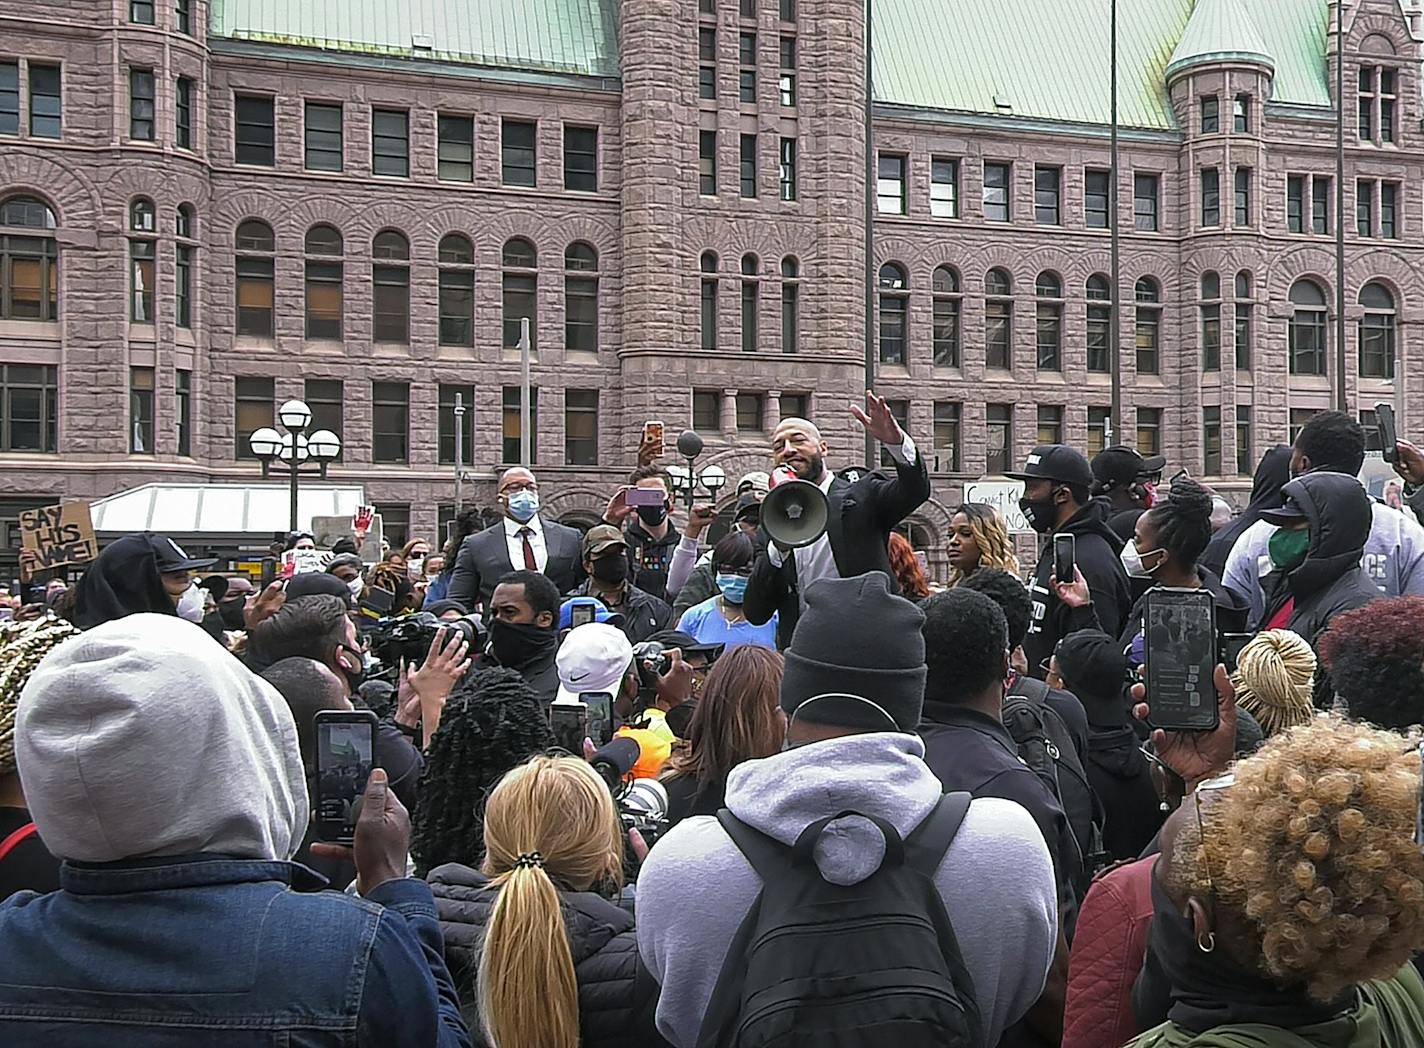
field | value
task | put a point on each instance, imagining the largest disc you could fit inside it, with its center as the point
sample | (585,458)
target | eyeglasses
(1222,782)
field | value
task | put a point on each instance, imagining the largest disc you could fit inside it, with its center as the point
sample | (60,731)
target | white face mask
(1132,560)
(190,605)
(356,586)
(415,568)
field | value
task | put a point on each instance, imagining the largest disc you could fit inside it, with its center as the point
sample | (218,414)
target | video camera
(408,637)
(642,803)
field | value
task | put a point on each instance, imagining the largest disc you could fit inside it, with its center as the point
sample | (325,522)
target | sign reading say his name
(62,534)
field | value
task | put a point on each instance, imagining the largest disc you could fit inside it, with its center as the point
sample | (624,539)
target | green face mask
(1288,548)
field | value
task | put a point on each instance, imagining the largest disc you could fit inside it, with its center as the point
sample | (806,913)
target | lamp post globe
(301,453)
(714,479)
(295,415)
(265,442)
(324,445)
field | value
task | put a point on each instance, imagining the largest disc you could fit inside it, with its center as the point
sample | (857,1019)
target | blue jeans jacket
(227,953)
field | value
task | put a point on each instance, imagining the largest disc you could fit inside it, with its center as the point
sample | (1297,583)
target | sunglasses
(1221,782)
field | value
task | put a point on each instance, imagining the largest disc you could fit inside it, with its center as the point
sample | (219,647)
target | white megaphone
(795,512)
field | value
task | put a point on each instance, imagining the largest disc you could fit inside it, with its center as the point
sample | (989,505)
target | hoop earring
(1206,942)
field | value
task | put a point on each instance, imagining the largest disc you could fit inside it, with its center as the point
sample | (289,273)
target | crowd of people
(636,787)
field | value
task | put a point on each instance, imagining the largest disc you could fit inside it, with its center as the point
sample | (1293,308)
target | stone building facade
(229,213)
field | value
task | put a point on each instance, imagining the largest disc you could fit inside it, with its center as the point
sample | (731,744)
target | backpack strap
(1030,688)
(11,842)
(767,856)
(926,845)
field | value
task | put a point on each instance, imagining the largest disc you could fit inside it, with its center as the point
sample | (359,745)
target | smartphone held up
(1180,643)
(345,755)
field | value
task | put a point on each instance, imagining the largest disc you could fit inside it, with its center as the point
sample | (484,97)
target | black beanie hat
(855,637)
(1094,669)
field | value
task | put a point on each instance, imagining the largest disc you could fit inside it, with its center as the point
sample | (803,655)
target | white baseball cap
(756,480)
(593,657)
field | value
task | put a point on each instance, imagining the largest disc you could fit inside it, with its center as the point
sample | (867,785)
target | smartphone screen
(1388,435)
(1065,550)
(1179,629)
(1231,645)
(582,615)
(600,716)
(653,432)
(644,497)
(570,723)
(269,571)
(345,754)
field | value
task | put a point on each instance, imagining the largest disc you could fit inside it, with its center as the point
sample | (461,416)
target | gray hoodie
(996,879)
(1394,559)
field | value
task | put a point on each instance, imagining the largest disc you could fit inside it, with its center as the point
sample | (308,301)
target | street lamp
(294,448)
(685,479)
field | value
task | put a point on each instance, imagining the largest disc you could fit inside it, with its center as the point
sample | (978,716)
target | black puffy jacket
(617,995)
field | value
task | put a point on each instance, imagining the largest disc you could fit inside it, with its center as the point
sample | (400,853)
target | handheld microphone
(615,760)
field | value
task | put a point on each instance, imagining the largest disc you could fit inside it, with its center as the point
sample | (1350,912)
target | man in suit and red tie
(521,541)
(861,516)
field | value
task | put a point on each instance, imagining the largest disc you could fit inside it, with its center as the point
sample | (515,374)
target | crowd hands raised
(629,790)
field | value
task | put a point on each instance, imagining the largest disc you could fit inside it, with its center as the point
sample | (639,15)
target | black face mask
(611,569)
(354,678)
(1040,514)
(232,614)
(516,644)
(652,515)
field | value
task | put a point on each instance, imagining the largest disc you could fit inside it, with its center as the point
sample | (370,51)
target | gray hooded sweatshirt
(996,879)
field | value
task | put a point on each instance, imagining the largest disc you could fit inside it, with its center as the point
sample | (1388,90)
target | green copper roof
(565,36)
(1219,30)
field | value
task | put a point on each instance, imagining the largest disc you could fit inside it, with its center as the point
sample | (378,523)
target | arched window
(185,225)
(1048,321)
(790,304)
(1211,321)
(1244,320)
(1098,291)
(894,313)
(1148,294)
(29,260)
(1307,328)
(580,298)
(390,287)
(185,228)
(255,292)
(325,273)
(1377,332)
(520,291)
(751,303)
(708,266)
(998,319)
(457,291)
(142,216)
(143,258)
(944,288)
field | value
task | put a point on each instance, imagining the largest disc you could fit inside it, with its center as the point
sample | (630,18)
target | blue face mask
(733,587)
(523,505)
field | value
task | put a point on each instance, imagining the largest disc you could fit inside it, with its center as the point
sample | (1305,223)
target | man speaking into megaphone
(817,525)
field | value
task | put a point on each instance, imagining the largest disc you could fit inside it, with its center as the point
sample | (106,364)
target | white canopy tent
(258,510)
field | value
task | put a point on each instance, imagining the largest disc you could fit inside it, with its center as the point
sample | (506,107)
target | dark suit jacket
(484,558)
(862,515)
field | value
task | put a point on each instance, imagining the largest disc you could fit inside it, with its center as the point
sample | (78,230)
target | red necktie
(529,562)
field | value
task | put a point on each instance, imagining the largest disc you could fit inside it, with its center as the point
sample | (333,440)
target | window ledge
(32,330)
(253,342)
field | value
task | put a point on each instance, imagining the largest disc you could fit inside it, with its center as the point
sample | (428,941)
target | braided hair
(22,646)
(1183,521)
(492,722)
(1275,680)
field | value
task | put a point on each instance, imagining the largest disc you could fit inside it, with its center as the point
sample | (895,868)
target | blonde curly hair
(1312,857)
(991,535)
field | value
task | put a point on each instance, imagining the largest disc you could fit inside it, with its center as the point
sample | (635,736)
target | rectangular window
(1149,431)
(751,306)
(946,437)
(1320,205)
(1210,115)
(517,153)
(998,332)
(748,8)
(45,101)
(457,306)
(183,287)
(707,62)
(141,105)
(788,10)
(1295,203)
(1245,459)
(706,410)
(1097,189)
(890,183)
(447,425)
(580,159)
(390,142)
(455,148)
(795,405)
(324,143)
(790,315)
(1365,208)
(999,422)
(183,113)
(581,427)
(1211,441)
(1243,197)
(1389,211)
(29,408)
(1149,322)
(1048,335)
(390,303)
(1144,202)
(1098,429)
(141,411)
(324,299)
(893,333)
(1099,335)
(1210,196)
(519,300)
(9,98)
(747,74)
(141,12)
(255,297)
(1211,336)
(749,167)
(707,163)
(1241,113)
(786,82)
(750,412)
(255,134)
(996,192)
(183,402)
(390,422)
(326,397)
(581,313)
(1298,418)
(787,169)
(182,16)
(1050,424)
(1306,337)
(253,400)
(1243,336)
(1046,188)
(142,258)
(945,314)
(900,412)
(944,187)
(395,522)
(708,331)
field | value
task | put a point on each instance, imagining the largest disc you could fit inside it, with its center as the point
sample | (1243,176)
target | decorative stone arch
(322,211)
(1306,260)
(575,500)
(74,198)
(1385,267)
(231,212)
(508,224)
(1052,259)
(1376,43)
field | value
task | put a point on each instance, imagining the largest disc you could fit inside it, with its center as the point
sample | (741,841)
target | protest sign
(1004,496)
(62,534)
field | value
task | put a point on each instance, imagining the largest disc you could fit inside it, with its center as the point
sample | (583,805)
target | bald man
(862,515)
(522,541)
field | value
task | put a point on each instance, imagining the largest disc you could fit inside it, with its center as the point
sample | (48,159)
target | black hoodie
(1271,476)
(123,581)
(1096,550)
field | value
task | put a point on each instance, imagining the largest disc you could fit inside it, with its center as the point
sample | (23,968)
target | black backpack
(856,966)
(1046,745)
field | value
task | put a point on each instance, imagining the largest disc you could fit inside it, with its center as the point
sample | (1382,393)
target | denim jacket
(224,953)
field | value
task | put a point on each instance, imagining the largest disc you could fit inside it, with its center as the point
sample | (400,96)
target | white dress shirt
(817,561)
(515,542)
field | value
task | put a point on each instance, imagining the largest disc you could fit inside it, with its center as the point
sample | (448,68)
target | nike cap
(593,657)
